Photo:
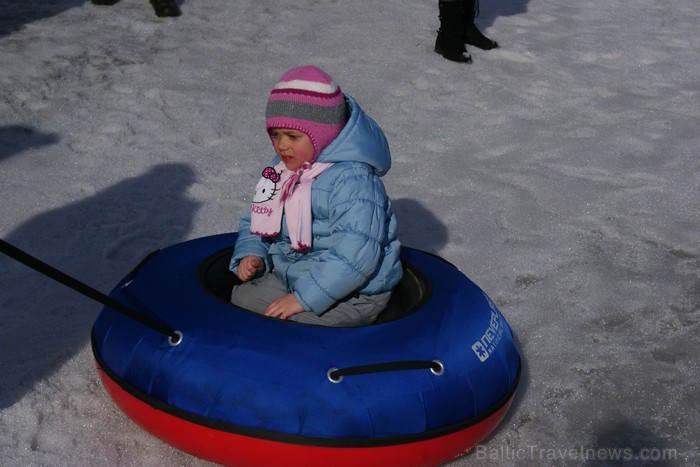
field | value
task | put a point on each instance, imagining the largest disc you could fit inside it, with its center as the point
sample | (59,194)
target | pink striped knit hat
(308,100)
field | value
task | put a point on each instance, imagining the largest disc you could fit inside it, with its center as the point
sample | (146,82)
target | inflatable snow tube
(425,384)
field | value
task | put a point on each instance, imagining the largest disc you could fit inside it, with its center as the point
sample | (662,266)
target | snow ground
(560,172)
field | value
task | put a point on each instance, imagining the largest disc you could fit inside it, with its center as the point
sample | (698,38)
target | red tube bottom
(229,448)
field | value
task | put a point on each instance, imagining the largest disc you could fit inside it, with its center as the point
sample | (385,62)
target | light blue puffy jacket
(355,248)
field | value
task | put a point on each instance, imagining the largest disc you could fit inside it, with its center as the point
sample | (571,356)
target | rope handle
(436,367)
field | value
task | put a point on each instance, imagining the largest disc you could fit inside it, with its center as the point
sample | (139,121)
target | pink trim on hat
(277,93)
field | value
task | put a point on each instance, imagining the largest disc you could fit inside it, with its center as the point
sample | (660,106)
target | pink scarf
(281,190)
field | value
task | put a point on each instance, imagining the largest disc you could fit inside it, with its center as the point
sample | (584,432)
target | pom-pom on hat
(307,99)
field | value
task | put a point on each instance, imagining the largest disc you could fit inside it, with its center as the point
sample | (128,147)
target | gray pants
(358,310)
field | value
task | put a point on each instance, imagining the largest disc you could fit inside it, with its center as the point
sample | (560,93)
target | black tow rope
(174,337)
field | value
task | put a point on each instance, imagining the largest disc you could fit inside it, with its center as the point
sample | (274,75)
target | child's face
(293,147)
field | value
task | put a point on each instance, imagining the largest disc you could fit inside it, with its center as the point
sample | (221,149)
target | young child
(319,243)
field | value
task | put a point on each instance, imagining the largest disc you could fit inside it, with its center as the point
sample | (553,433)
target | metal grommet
(333,379)
(176,339)
(438,369)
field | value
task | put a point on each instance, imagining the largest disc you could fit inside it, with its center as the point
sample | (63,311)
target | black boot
(471,33)
(449,42)
(165,8)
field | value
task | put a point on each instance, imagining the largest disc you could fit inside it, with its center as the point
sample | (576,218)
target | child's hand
(284,307)
(249,267)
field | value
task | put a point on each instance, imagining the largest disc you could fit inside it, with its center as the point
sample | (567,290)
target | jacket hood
(361,140)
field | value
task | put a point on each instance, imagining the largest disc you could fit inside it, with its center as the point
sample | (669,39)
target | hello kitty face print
(268,186)
(278,190)
(267,206)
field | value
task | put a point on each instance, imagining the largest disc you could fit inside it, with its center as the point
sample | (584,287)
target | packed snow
(560,172)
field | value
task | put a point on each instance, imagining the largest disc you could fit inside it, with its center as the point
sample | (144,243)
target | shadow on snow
(96,240)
